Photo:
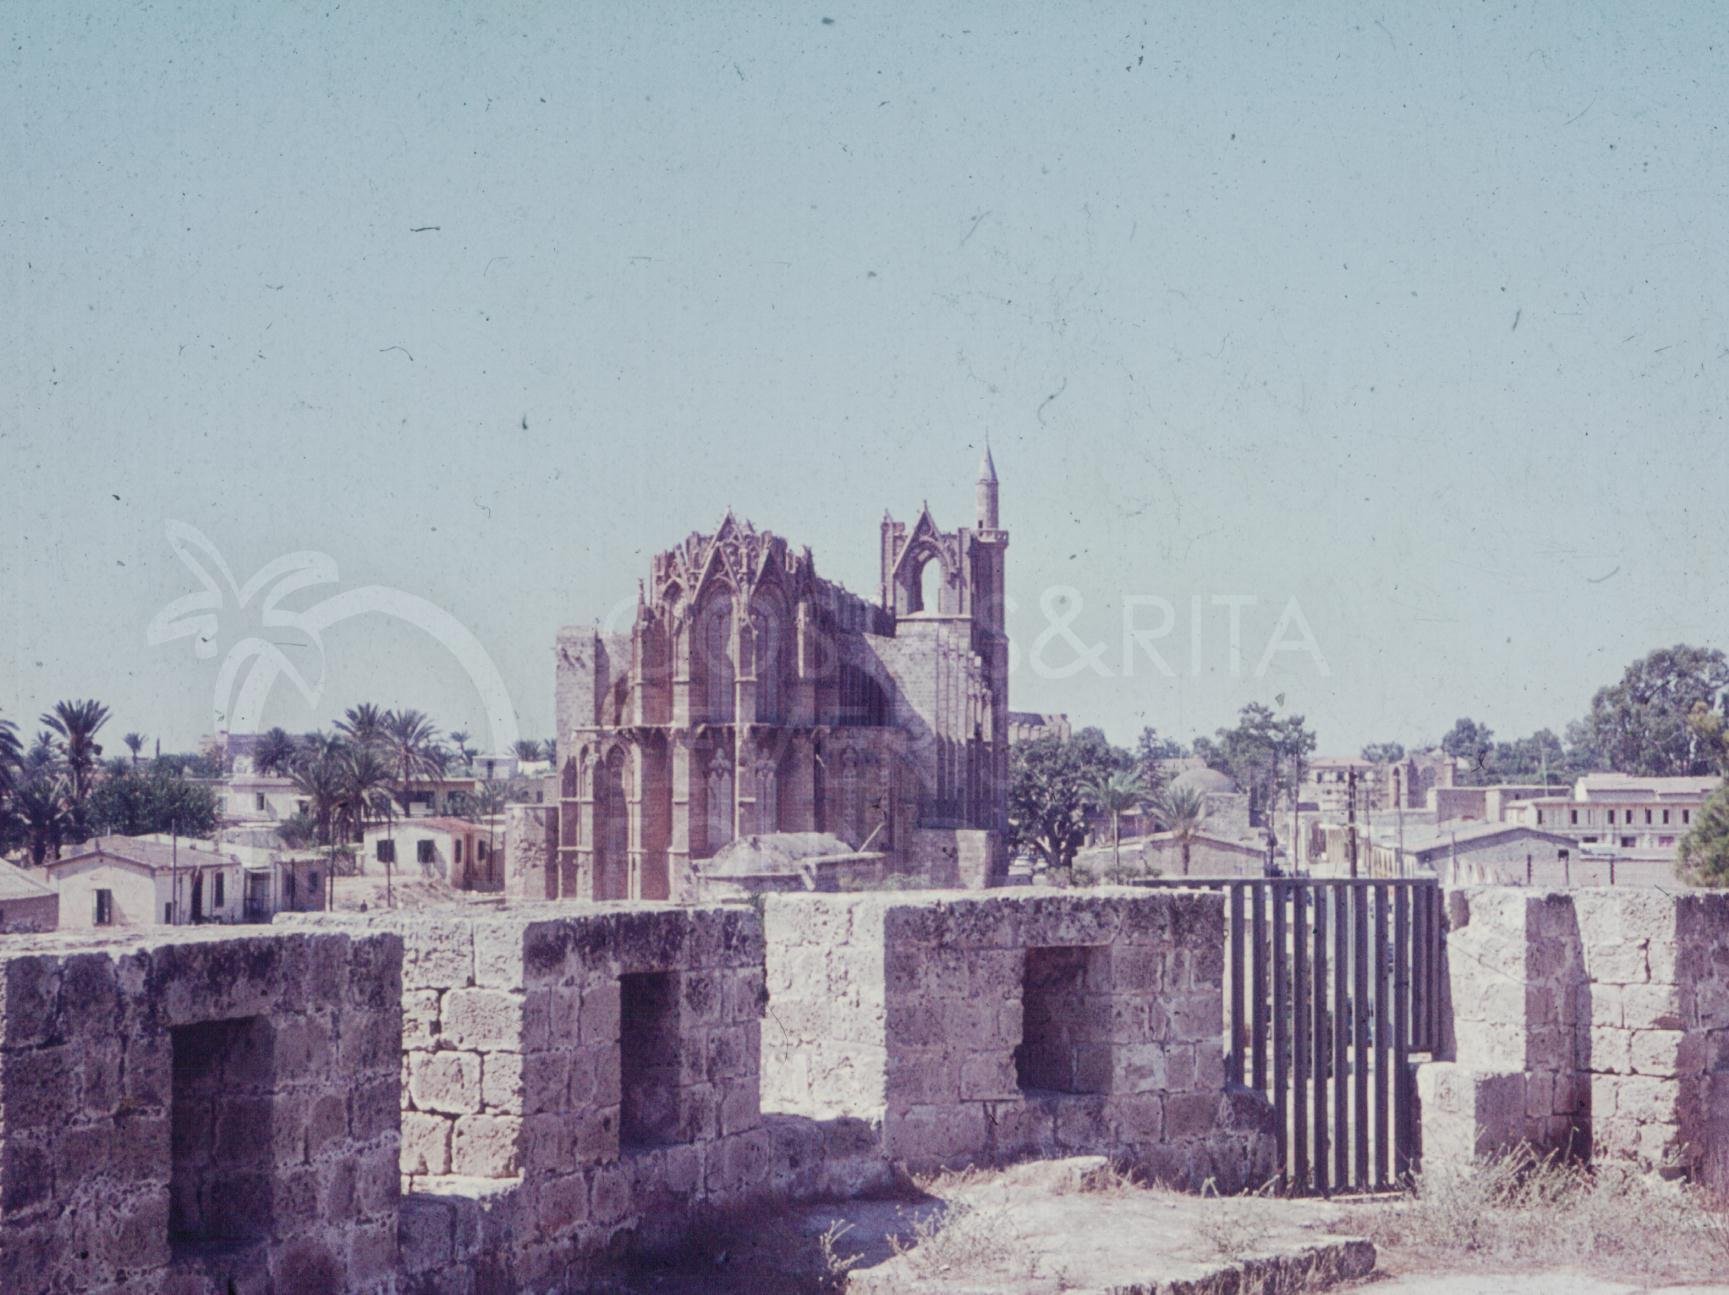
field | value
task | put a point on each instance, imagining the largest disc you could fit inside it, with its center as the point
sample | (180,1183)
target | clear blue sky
(1415,314)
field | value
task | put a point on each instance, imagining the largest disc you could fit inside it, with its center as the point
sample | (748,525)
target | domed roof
(1207,782)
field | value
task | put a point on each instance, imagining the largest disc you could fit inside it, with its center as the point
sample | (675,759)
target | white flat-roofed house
(467,855)
(1620,812)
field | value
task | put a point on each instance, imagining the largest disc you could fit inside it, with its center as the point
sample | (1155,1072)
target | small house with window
(133,881)
(466,855)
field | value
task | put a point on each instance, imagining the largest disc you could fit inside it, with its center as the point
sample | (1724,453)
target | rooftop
(158,856)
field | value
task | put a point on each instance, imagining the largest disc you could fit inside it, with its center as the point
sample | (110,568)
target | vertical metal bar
(1401,1036)
(1360,1034)
(1323,894)
(1380,970)
(1281,1037)
(1258,959)
(1341,1035)
(1234,1053)
(1418,952)
(1300,1014)
(1437,954)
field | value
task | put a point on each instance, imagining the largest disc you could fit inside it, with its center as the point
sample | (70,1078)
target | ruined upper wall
(197,1111)
(1012,1025)
(1590,1022)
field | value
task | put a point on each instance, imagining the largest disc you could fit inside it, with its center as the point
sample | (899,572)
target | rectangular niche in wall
(222,1126)
(648,1059)
(1066,1015)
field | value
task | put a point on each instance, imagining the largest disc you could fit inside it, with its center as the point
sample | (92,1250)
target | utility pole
(1399,813)
(1351,819)
(174,872)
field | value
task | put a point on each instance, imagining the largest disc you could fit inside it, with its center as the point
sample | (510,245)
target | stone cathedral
(751,698)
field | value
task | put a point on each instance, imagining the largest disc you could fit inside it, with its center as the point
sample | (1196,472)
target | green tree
(1264,754)
(364,725)
(317,776)
(1048,780)
(75,725)
(1711,727)
(137,801)
(527,749)
(135,744)
(11,767)
(1150,750)
(42,806)
(1705,849)
(1384,752)
(1182,810)
(464,752)
(275,751)
(1116,792)
(1640,724)
(1472,743)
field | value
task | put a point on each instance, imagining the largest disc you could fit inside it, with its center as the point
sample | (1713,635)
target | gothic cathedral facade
(751,696)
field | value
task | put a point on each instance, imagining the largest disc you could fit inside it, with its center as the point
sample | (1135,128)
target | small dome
(1208,782)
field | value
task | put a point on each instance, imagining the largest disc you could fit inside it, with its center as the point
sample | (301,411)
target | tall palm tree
(410,743)
(364,724)
(75,725)
(135,744)
(367,782)
(365,790)
(1116,793)
(1182,810)
(412,748)
(275,751)
(317,775)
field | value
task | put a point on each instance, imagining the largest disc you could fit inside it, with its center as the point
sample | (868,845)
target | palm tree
(75,724)
(1182,810)
(43,809)
(135,744)
(11,755)
(364,724)
(317,775)
(1116,793)
(41,757)
(275,751)
(365,782)
(411,746)
(527,749)
(464,752)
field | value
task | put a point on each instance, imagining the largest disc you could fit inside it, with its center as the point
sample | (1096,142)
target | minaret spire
(986,490)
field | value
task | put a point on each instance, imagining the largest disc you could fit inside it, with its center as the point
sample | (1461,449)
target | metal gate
(1331,987)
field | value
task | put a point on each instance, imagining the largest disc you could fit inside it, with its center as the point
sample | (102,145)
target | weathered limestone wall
(993,1028)
(531,851)
(572,1075)
(1591,1022)
(195,1111)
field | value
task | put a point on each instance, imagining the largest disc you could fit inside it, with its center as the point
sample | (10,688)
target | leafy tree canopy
(1049,791)
(1705,849)
(1640,725)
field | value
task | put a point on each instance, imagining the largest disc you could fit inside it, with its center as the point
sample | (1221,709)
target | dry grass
(1525,1211)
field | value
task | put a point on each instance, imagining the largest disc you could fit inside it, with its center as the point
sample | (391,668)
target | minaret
(987,491)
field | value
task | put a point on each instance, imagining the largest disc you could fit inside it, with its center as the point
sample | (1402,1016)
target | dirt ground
(1074,1226)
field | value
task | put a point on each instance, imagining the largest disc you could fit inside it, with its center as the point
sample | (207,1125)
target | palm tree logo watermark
(254,664)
